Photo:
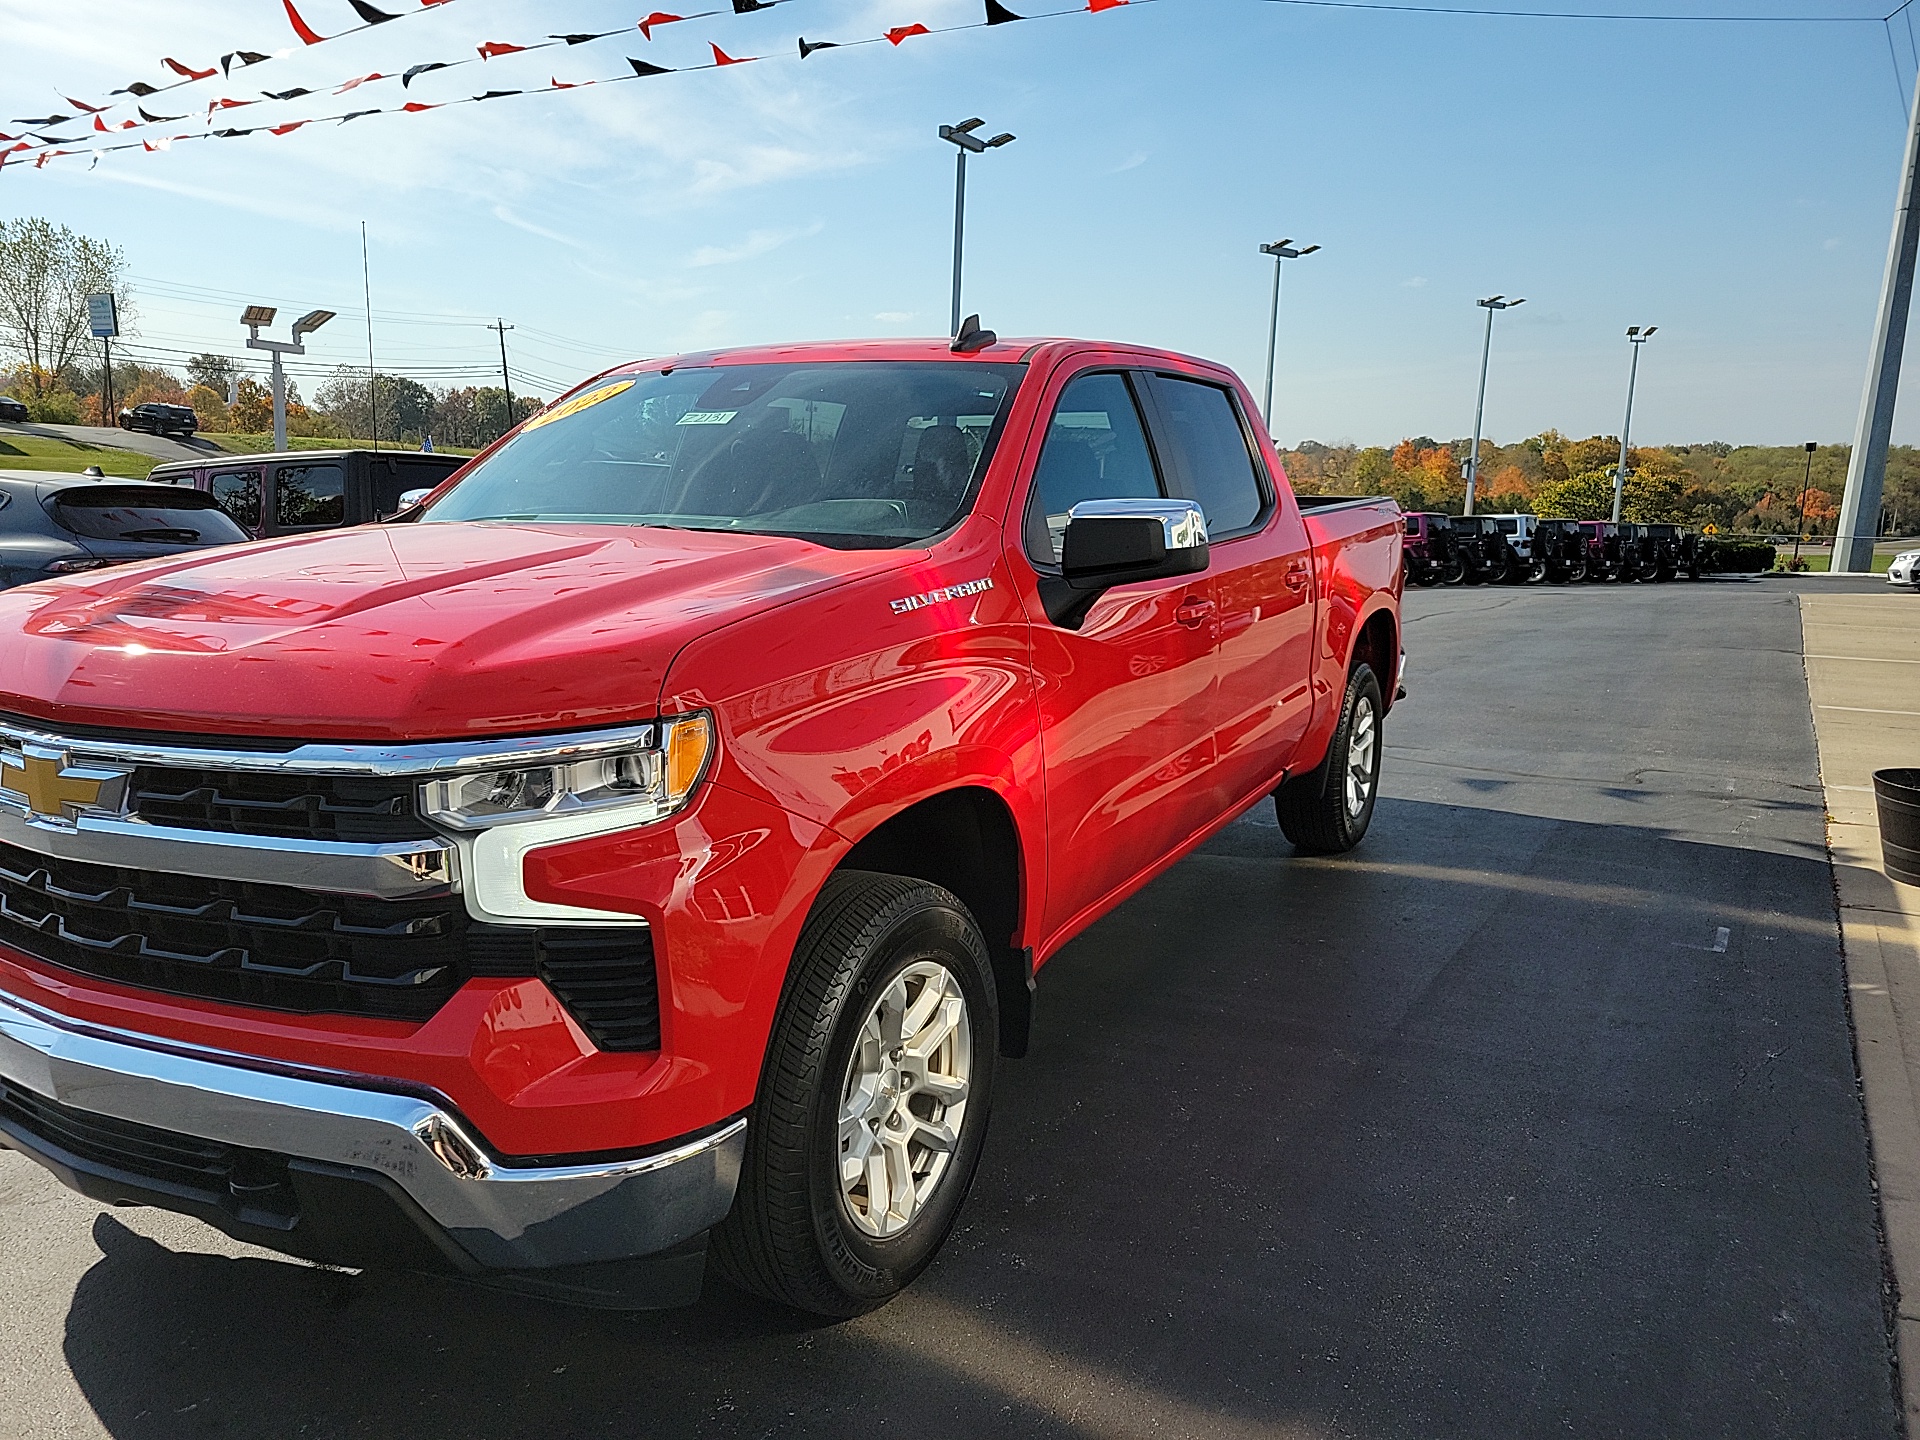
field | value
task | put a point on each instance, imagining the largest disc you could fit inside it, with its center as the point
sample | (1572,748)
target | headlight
(655,780)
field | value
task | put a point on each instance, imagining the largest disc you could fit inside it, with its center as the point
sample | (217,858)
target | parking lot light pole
(1490,304)
(1637,337)
(253,317)
(1800,510)
(963,139)
(1280,250)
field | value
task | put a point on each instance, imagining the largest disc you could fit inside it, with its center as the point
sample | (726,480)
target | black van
(296,491)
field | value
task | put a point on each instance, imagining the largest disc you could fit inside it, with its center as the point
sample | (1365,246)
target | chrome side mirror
(1114,542)
(411,498)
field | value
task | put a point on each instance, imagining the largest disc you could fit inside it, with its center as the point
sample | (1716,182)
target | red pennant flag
(99,124)
(560,84)
(720,57)
(414,107)
(1096,6)
(354,84)
(82,105)
(48,155)
(188,70)
(434,2)
(907,32)
(305,31)
(499,47)
(658,17)
(229,105)
(286,129)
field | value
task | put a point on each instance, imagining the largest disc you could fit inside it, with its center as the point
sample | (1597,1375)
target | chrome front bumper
(504,1217)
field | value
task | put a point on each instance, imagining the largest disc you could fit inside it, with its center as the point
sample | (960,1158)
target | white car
(1905,569)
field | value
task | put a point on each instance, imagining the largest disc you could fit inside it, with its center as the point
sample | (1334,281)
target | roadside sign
(103,317)
(1709,529)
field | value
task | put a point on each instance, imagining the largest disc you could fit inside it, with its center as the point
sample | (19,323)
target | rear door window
(1096,449)
(238,493)
(145,514)
(309,497)
(1215,462)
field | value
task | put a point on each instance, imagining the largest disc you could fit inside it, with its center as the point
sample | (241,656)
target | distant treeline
(1739,488)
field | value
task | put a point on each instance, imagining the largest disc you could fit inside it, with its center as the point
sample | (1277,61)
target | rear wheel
(1454,573)
(1327,810)
(1536,572)
(873,1101)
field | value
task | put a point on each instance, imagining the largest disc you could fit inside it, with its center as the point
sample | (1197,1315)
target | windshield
(852,453)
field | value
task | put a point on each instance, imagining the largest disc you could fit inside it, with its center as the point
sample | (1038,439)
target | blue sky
(1732,184)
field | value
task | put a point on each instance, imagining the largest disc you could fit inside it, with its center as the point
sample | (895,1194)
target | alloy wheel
(904,1099)
(1363,737)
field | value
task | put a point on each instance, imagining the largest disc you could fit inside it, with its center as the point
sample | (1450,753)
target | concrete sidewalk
(1863,676)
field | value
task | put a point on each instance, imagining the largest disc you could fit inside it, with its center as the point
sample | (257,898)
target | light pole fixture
(1280,250)
(1637,337)
(253,317)
(1800,510)
(1490,305)
(966,143)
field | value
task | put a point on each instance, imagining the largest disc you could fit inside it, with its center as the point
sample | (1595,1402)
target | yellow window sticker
(577,404)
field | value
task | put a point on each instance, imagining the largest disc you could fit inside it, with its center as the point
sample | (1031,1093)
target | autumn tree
(46,274)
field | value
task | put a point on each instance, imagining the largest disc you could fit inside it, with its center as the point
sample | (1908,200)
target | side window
(238,492)
(307,496)
(1216,462)
(1096,449)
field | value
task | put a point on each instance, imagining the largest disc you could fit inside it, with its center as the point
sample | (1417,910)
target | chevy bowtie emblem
(54,789)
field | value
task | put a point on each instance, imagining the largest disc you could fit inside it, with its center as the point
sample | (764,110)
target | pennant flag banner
(994,12)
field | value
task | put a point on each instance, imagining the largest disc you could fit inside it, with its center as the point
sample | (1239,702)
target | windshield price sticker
(706,417)
(577,404)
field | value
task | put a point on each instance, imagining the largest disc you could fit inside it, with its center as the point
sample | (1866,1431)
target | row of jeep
(1523,549)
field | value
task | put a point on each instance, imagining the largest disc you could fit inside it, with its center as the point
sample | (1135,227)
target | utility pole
(1280,250)
(1859,522)
(962,138)
(506,383)
(1638,337)
(1800,510)
(1490,304)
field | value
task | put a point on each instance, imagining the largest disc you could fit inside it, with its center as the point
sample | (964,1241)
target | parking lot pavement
(1534,1116)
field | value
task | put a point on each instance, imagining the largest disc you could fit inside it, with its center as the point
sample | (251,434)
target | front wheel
(1327,810)
(1455,573)
(873,1100)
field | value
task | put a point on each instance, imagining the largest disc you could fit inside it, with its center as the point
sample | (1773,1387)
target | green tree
(46,274)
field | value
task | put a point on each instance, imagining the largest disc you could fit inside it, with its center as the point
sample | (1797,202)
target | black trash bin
(1897,793)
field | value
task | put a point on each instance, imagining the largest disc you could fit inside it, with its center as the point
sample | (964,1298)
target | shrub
(56,407)
(1737,557)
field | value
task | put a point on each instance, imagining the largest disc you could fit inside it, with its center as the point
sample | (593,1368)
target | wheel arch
(1377,643)
(966,840)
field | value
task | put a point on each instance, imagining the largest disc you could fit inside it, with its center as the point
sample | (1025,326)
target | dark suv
(157,419)
(1561,546)
(11,410)
(1675,548)
(1432,550)
(295,491)
(1485,552)
(53,525)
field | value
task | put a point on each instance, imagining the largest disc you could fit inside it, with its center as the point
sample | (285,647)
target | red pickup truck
(645,847)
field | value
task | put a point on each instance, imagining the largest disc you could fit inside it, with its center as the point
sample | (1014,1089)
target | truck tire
(1327,810)
(1455,573)
(879,1071)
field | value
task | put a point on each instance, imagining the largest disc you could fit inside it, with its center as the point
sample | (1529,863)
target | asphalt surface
(1534,1116)
(141,443)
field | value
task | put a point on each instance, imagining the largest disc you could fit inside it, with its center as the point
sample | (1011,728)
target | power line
(1694,18)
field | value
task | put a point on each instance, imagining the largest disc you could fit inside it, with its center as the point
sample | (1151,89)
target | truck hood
(402,632)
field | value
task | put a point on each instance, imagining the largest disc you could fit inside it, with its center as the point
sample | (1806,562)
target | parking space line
(1868,710)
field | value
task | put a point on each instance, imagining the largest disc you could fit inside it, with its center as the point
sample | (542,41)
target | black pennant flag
(745,7)
(583,39)
(490,95)
(367,13)
(157,119)
(356,114)
(245,57)
(643,69)
(47,120)
(998,14)
(407,79)
(293,94)
(807,47)
(139,87)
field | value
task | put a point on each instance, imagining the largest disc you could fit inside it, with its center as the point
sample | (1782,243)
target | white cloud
(1833,244)
(1132,162)
(758,243)
(1413,282)
(894,317)
(507,217)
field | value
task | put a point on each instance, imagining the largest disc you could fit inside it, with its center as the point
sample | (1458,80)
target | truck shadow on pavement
(1500,1126)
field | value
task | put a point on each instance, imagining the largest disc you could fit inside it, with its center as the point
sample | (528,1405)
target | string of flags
(41,148)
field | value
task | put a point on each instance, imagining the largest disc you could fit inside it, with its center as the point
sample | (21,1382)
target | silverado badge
(934,597)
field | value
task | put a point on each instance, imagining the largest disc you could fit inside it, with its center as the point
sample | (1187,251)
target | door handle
(1193,612)
(1297,578)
